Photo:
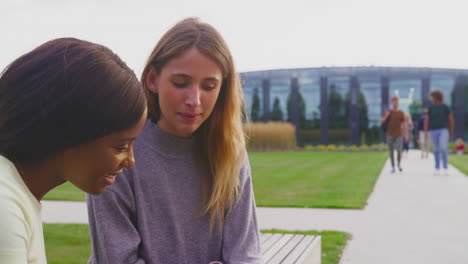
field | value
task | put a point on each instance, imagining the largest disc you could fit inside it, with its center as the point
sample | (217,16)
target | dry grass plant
(271,136)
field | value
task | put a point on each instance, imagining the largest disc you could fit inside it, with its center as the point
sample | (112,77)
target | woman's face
(434,100)
(94,165)
(188,87)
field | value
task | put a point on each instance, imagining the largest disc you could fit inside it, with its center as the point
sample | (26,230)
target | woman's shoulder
(17,204)
(441,107)
(447,108)
(12,186)
(147,134)
(245,170)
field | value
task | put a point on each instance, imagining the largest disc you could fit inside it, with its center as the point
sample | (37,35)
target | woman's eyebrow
(181,75)
(126,140)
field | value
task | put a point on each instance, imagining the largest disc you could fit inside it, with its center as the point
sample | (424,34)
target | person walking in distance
(459,146)
(440,125)
(407,140)
(396,130)
(423,139)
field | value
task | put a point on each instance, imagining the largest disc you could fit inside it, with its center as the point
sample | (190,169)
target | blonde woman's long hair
(220,138)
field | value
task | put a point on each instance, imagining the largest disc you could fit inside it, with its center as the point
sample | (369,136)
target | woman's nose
(193,96)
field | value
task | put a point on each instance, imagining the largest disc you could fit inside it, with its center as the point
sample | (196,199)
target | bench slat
(276,247)
(265,237)
(299,250)
(283,254)
(269,243)
(291,249)
(313,252)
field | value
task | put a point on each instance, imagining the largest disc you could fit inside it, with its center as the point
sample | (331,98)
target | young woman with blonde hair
(189,199)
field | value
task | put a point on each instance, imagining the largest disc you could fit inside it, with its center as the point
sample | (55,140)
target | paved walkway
(411,217)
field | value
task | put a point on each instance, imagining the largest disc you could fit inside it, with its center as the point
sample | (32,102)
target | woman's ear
(152,80)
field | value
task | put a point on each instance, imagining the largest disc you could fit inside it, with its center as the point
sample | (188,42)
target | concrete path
(411,217)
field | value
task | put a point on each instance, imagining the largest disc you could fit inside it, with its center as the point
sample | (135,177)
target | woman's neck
(40,177)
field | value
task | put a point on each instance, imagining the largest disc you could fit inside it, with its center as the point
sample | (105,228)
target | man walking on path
(394,120)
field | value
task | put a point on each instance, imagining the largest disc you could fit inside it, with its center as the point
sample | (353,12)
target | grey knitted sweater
(151,214)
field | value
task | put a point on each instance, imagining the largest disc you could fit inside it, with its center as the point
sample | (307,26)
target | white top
(21,235)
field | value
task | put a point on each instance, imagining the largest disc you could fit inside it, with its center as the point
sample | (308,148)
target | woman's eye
(179,84)
(122,149)
(209,87)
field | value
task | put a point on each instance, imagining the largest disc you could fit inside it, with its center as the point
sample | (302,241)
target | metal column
(323,110)
(266,100)
(354,110)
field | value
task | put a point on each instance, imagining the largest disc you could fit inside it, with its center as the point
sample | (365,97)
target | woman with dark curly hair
(440,125)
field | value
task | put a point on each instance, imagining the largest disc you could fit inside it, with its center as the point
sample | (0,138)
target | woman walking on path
(69,111)
(189,199)
(440,125)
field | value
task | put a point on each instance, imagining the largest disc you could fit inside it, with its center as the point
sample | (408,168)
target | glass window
(445,84)
(338,110)
(280,88)
(253,96)
(370,101)
(409,92)
(309,110)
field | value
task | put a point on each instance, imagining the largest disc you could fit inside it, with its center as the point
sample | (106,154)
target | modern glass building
(343,105)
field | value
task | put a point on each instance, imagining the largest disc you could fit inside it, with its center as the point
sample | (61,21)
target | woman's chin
(95,191)
(187,131)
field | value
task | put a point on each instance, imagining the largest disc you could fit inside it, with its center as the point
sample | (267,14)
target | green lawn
(67,243)
(71,244)
(66,191)
(333,243)
(460,162)
(299,179)
(315,179)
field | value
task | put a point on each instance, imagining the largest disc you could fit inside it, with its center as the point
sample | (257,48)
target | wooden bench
(289,248)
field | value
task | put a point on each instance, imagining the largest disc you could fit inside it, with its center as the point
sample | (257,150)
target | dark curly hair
(437,95)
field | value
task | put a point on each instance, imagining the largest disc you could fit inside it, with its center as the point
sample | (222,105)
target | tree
(363,112)
(302,109)
(315,122)
(335,109)
(415,107)
(255,111)
(277,114)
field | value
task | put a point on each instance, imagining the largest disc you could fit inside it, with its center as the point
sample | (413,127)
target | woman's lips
(110,179)
(189,117)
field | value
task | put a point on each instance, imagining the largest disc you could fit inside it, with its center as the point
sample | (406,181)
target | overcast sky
(264,34)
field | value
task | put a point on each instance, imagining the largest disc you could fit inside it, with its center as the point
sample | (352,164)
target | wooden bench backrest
(289,248)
